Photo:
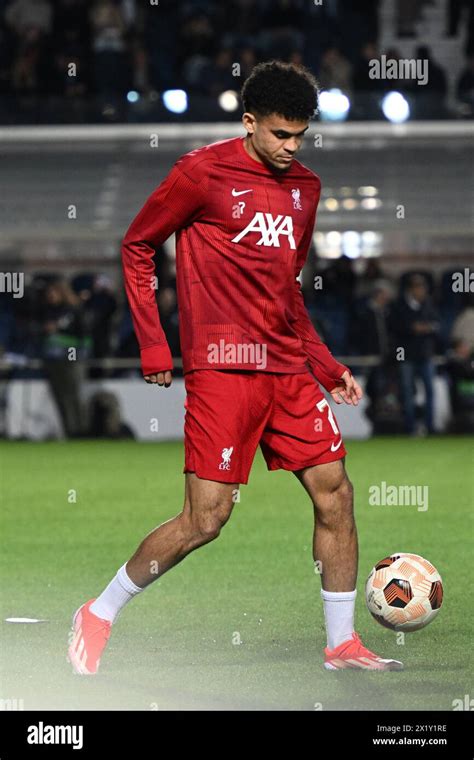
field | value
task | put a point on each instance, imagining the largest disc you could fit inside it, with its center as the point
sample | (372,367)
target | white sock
(339,615)
(120,590)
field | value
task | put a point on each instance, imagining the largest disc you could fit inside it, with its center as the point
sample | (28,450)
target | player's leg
(207,507)
(335,536)
(335,549)
(225,413)
(302,436)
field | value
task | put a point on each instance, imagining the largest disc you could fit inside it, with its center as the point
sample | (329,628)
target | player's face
(274,140)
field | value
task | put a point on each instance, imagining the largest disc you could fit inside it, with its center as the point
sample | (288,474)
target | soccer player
(243,211)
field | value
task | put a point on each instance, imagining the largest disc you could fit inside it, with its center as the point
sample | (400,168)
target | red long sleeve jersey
(242,236)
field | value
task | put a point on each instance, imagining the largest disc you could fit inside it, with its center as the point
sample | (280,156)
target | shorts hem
(224,479)
(292,467)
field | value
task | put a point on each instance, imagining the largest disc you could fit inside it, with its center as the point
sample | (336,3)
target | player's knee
(346,495)
(206,524)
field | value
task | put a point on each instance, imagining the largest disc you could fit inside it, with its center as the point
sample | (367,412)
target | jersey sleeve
(175,203)
(326,369)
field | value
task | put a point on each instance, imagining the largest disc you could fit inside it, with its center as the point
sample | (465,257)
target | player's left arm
(335,377)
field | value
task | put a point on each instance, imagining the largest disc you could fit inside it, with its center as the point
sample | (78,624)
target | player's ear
(248,120)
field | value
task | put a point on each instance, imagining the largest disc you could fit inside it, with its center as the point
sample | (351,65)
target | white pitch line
(24,620)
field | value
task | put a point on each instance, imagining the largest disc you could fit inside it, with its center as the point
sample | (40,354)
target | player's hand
(160,378)
(349,391)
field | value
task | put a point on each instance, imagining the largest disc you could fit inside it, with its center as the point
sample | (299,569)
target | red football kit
(250,352)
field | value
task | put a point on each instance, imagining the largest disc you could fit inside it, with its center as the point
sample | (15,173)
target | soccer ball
(404,592)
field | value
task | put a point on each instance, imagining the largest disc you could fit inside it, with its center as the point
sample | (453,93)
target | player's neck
(251,150)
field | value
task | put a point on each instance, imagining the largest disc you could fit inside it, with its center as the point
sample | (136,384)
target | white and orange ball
(404,592)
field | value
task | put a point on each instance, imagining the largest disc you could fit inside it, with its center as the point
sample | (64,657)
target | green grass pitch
(174,646)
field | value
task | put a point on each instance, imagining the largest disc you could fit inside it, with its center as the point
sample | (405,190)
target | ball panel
(386,562)
(436,595)
(398,593)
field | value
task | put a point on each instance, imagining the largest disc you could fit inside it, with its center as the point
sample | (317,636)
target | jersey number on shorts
(323,404)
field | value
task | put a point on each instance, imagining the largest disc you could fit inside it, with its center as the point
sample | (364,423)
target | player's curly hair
(287,89)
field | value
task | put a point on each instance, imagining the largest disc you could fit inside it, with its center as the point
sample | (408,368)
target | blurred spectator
(460,371)
(415,326)
(339,281)
(335,71)
(353,23)
(282,23)
(247,58)
(463,327)
(106,418)
(99,308)
(320,28)
(28,76)
(71,19)
(64,347)
(239,22)
(25,15)
(217,76)
(168,308)
(127,345)
(30,22)
(197,36)
(373,338)
(373,321)
(110,49)
(369,278)
(362,80)
(70,45)
(160,41)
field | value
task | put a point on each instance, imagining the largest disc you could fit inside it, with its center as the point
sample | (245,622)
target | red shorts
(228,413)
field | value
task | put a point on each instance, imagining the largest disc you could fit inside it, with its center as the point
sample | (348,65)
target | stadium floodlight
(334,105)
(333,238)
(395,108)
(175,101)
(229,100)
(133,96)
(351,241)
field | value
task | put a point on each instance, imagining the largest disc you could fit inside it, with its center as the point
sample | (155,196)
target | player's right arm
(173,205)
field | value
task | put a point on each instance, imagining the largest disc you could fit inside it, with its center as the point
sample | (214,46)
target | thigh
(225,416)
(302,429)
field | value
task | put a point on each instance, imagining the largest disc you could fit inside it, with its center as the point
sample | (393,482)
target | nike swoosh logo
(335,448)
(240,192)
